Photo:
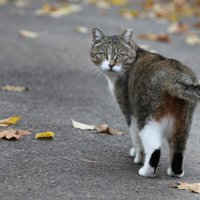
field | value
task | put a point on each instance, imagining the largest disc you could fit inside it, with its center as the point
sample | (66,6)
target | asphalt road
(57,70)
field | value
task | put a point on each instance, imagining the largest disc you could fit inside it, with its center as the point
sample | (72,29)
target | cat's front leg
(137,148)
(151,136)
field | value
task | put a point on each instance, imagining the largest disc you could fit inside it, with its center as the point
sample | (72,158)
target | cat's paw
(139,157)
(133,152)
(171,173)
(147,171)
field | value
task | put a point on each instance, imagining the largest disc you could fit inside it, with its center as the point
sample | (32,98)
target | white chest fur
(111,78)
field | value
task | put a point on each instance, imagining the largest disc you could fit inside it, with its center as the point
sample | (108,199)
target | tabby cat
(157,96)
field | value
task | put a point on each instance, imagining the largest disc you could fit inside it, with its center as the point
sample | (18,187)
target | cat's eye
(103,55)
(120,56)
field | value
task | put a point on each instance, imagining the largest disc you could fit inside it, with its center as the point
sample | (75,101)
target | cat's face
(113,53)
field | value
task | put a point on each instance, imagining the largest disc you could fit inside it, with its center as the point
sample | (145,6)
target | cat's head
(113,53)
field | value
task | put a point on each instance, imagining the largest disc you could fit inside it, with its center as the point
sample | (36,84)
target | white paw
(147,171)
(138,157)
(171,173)
(133,152)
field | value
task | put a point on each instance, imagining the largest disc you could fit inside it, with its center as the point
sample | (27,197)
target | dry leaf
(102,128)
(129,14)
(89,161)
(3,2)
(28,34)
(148,4)
(103,4)
(82,126)
(14,88)
(13,134)
(193,39)
(58,10)
(9,121)
(81,29)
(119,2)
(178,28)
(42,135)
(197,24)
(193,187)
(155,37)
(22,3)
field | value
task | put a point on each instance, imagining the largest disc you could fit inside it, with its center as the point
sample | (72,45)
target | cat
(157,96)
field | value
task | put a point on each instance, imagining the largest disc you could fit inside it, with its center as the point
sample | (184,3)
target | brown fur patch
(172,106)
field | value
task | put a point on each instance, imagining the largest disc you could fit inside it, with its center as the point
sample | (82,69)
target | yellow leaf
(9,121)
(58,10)
(47,134)
(119,2)
(82,126)
(193,187)
(14,88)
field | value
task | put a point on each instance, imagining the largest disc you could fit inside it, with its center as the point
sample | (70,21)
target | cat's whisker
(100,72)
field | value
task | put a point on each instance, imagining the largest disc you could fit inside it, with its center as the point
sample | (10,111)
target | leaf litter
(28,34)
(9,121)
(14,88)
(12,134)
(45,135)
(192,187)
(156,37)
(102,128)
(58,10)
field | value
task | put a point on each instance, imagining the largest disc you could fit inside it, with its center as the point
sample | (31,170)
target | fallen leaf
(58,10)
(9,121)
(14,88)
(82,126)
(102,128)
(81,29)
(193,187)
(13,134)
(119,2)
(193,39)
(113,131)
(28,34)
(43,135)
(155,37)
(129,14)
(3,2)
(103,5)
(178,28)
(148,4)
(89,161)
(197,24)
(22,3)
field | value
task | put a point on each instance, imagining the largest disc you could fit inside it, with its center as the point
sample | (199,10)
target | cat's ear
(97,35)
(127,36)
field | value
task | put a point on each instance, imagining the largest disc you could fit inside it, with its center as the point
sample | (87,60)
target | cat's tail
(185,90)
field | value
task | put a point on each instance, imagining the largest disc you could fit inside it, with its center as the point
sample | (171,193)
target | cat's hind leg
(177,145)
(137,148)
(151,136)
(178,139)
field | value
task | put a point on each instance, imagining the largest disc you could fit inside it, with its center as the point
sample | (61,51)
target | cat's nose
(111,66)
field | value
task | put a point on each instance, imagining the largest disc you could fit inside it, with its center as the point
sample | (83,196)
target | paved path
(56,68)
